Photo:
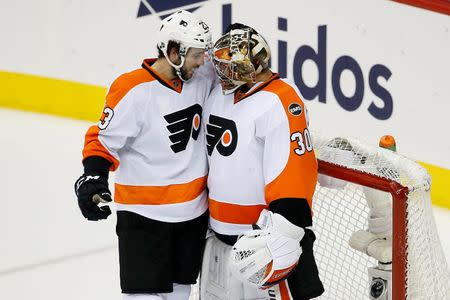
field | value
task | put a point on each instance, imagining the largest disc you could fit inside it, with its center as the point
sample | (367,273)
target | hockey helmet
(186,29)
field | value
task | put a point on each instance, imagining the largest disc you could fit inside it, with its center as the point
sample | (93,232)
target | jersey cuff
(96,165)
(295,210)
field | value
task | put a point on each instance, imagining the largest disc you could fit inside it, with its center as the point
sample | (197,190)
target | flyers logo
(182,125)
(221,134)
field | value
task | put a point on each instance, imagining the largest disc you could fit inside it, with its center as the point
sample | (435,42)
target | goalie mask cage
(419,268)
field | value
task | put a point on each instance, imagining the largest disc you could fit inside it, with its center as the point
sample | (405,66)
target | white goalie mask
(186,29)
(238,56)
(266,256)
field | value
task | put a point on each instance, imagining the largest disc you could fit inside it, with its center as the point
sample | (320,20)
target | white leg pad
(252,292)
(216,280)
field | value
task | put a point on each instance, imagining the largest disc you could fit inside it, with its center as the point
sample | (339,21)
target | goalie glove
(92,189)
(269,253)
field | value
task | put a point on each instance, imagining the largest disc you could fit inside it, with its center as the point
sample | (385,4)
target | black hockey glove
(92,188)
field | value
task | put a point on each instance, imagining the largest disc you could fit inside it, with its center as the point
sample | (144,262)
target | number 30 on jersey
(303,140)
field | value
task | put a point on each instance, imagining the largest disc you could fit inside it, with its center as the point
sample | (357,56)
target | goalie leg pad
(216,279)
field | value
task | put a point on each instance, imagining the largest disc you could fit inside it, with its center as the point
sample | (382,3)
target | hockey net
(419,268)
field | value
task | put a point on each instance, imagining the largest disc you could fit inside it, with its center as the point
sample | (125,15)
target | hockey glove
(91,189)
(269,253)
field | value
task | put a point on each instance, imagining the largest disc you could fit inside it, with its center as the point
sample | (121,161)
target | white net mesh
(342,209)
(340,212)
(337,214)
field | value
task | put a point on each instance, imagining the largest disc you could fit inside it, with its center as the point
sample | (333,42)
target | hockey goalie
(262,177)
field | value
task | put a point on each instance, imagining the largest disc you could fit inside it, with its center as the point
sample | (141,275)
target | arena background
(366,68)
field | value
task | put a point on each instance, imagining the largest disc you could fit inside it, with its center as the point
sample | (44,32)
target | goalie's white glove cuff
(283,239)
(287,228)
(269,221)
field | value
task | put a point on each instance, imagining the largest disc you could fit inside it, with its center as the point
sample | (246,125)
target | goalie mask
(239,56)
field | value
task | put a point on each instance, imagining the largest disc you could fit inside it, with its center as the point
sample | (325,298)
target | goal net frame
(399,195)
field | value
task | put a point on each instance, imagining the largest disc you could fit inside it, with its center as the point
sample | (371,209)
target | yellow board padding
(440,178)
(51,96)
(83,101)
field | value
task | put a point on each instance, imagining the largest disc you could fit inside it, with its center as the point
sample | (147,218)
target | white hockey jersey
(151,132)
(259,150)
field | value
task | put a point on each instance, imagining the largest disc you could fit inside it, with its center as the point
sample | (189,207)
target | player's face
(194,59)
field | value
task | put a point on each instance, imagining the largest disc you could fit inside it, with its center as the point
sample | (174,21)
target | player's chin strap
(176,67)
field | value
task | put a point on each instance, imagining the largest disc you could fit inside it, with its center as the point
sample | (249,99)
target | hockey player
(261,180)
(150,134)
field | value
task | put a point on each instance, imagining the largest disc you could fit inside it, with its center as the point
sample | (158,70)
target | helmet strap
(176,67)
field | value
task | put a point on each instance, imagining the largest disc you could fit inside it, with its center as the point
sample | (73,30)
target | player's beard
(184,73)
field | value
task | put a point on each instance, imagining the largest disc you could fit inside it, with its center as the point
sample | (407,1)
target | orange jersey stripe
(285,295)
(299,177)
(120,87)
(155,195)
(233,213)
